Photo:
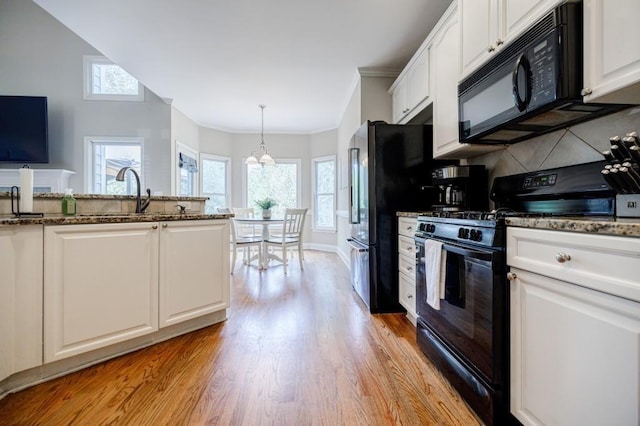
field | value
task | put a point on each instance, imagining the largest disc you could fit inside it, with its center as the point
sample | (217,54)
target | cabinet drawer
(407,226)
(602,262)
(407,265)
(407,293)
(406,246)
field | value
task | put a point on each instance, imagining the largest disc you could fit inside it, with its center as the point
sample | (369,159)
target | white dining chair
(242,242)
(290,237)
(245,230)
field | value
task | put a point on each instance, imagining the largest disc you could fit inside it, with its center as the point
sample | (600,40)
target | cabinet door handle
(164,225)
(154,226)
(409,228)
(409,268)
(409,296)
(491,49)
(586,91)
(499,42)
(563,257)
(511,276)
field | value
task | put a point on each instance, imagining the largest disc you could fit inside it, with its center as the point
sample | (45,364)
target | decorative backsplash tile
(579,144)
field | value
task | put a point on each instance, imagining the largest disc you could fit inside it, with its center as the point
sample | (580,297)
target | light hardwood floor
(296,350)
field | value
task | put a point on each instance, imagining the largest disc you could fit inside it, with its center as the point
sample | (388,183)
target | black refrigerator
(389,171)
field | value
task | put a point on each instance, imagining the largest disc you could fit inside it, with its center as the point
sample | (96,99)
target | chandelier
(261,156)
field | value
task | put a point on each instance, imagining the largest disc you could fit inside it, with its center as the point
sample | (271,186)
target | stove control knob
(422,226)
(432,228)
(476,235)
(461,233)
(466,234)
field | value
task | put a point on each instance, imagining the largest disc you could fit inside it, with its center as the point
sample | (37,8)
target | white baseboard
(320,247)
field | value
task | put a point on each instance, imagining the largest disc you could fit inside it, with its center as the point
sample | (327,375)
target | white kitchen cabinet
(611,51)
(108,283)
(407,266)
(194,269)
(575,328)
(410,92)
(100,286)
(488,25)
(446,71)
(20,298)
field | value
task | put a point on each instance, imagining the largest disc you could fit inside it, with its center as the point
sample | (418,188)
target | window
(324,193)
(105,157)
(104,80)
(280,181)
(187,171)
(214,177)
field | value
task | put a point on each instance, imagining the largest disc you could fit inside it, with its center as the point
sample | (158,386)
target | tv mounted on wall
(23,129)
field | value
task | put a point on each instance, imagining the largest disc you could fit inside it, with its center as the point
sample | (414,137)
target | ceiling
(217,60)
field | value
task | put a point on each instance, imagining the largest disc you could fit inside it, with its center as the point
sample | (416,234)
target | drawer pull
(409,248)
(511,276)
(154,226)
(409,268)
(563,257)
(409,296)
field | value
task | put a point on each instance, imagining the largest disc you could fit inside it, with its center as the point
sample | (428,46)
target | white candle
(26,190)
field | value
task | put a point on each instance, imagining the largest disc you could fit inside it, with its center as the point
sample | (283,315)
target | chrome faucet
(140,206)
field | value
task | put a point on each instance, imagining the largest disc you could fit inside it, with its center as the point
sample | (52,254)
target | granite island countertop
(58,219)
(597,225)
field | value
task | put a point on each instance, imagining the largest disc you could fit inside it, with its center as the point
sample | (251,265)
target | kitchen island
(77,290)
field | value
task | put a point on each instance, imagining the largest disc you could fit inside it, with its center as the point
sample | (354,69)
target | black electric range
(466,334)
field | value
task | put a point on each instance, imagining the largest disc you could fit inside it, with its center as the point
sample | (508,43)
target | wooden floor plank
(299,349)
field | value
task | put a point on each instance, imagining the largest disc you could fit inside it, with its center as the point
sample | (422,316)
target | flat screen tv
(23,129)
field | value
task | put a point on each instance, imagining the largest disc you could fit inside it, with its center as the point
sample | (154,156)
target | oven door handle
(357,246)
(480,255)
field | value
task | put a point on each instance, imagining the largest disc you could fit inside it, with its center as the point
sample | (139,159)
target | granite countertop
(57,195)
(604,226)
(58,219)
(410,214)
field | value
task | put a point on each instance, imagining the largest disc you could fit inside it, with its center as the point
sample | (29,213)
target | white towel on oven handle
(435,264)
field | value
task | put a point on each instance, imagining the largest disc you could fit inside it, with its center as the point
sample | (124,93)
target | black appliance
(533,86)
(389,164)
(24,129)
(461,188)
(468,337)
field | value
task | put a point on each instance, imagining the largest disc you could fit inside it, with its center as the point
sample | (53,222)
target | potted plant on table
(266,206)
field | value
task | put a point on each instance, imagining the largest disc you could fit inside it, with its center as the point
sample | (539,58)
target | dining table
(265,223)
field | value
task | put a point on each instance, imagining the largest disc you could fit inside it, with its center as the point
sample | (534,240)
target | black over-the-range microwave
(533,86)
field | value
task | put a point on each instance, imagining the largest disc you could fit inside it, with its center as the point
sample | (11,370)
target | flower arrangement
(266,204)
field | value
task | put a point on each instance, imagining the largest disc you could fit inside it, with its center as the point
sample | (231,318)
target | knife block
(628,205)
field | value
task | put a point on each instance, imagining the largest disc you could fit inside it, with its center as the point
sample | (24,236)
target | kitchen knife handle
(608,156)
(613,183)
(623,187)
(617,152)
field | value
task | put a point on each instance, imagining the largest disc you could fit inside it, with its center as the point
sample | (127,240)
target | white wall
(348,125)
(321,145)
(41,57)
(186,132)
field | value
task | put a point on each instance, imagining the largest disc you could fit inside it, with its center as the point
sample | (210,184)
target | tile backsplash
(582,143)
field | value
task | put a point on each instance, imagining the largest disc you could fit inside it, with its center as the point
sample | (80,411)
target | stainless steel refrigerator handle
(356,246)
(354,180)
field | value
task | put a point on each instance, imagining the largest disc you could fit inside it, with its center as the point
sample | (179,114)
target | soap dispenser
(68,203)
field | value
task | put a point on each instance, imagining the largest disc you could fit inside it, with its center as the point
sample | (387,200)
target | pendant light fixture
(261,156)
